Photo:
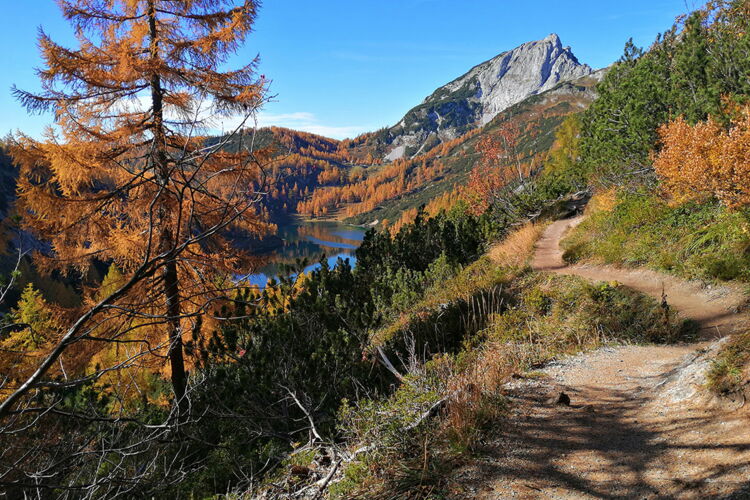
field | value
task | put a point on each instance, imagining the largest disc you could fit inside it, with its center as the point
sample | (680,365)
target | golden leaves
(500,165)
(706,160)
(364,193)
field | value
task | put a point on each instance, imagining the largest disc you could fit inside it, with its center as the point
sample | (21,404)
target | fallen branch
(323,484)
(307,414)
(389,366)
(431,412)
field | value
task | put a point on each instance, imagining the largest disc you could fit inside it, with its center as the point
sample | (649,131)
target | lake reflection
(311,240)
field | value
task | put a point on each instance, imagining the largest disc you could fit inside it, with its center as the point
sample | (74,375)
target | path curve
(715,308)
(639,424)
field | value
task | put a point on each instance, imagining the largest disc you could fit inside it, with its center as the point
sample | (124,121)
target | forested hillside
(356,180)
(301,164)
(389,190)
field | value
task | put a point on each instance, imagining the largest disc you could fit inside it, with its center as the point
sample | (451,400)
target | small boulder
(563,399)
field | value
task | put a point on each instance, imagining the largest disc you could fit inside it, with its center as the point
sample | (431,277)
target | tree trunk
(166,238)
(176,358)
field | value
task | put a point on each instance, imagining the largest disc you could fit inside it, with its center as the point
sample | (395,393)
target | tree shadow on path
(601,450)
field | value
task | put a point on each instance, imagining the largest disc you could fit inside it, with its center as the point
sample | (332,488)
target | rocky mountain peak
(475,98)
(553,38)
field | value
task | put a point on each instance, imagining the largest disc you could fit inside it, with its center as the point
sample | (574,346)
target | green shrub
(355,475)
(394,427)
(693,240)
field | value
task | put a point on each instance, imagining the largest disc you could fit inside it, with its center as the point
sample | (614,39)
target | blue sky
(342,67)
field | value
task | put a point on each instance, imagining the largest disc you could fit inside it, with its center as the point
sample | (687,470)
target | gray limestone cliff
(486,90)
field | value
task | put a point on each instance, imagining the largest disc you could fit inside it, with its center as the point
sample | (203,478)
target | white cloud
(218,125)
(302,120)
(266,119)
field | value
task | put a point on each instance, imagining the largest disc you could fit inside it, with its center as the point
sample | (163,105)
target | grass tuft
(730,371)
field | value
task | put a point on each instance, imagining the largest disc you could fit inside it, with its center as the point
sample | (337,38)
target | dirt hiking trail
(715,309)
(639,424)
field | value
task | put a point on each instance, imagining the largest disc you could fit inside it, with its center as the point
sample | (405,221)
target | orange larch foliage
(384,183)
(124,178)
(500,164)
(706,160)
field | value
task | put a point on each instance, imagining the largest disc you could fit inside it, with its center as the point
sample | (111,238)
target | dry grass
(603,201)
(517,248)
(478,395)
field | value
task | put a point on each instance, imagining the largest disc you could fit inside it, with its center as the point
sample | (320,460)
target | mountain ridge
(476,97)
(534,85)
(537,116)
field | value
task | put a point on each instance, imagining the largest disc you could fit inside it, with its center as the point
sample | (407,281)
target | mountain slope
(475,98)
(537,117)
(300,163)
(432,149)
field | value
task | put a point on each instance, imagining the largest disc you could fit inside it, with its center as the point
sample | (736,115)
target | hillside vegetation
(666,138)
(693,240)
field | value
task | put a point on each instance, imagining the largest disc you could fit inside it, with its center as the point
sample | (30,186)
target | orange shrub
(706,160)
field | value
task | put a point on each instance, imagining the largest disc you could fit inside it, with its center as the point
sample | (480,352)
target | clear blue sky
(341,67)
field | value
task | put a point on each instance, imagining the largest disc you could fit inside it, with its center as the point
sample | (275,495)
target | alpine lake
(309,241)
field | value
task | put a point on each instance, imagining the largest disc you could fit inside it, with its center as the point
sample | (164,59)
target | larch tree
(565,151)
(706,160)
(125,177)
(502,149)
(499,166)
